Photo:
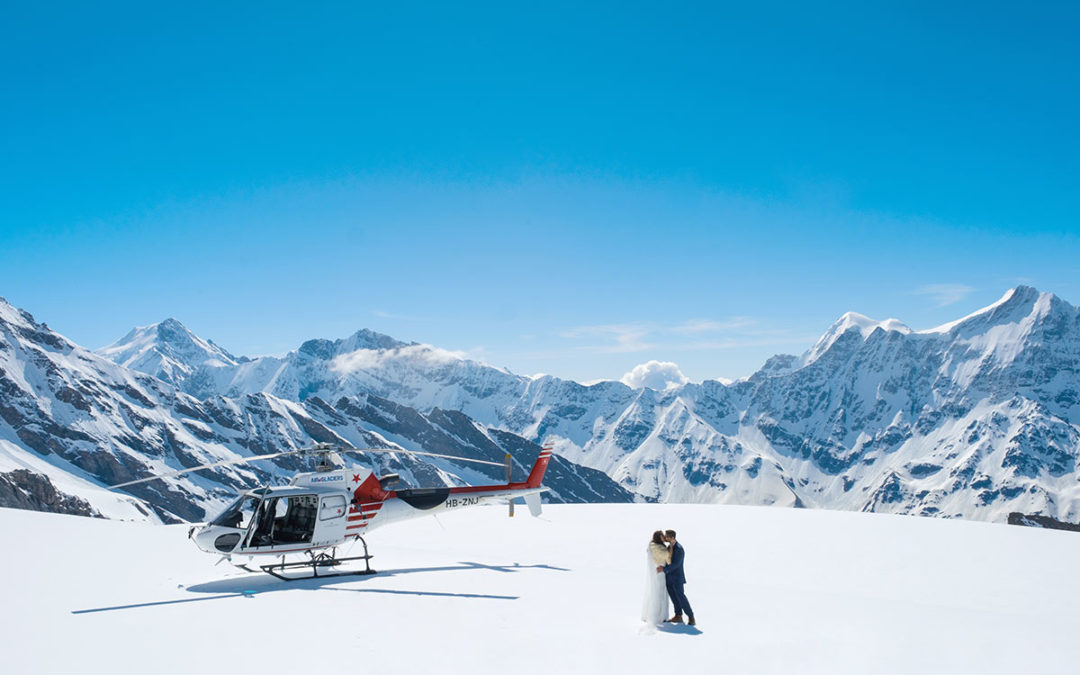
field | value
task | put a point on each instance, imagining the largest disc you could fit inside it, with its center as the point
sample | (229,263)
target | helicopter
(321,510)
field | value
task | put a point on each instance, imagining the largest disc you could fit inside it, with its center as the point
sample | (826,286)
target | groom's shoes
(675,619)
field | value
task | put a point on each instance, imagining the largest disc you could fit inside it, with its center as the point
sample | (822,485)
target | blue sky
(557,188)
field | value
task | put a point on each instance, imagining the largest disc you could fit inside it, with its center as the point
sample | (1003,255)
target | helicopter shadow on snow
(249,586)
(252,585)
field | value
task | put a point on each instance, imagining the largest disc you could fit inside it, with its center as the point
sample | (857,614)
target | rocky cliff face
(977,418)
(24,489)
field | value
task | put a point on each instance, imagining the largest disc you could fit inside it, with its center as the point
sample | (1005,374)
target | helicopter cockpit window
(239,513)
(332,507)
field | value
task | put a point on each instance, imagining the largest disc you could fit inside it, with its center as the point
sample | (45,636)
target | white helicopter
(321,510)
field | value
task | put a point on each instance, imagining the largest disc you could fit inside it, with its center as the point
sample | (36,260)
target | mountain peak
(173,332)
(866,325)
(172,324)
(364,338)
(852,321)
(1012,307)
(12,314)
(369,339)
(167,350)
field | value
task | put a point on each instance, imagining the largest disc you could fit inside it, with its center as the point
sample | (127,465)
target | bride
(654,609)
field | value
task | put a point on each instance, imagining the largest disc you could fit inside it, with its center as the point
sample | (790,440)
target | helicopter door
(283,522)
(261,529)
(294,521)
(258,507)
(331,525)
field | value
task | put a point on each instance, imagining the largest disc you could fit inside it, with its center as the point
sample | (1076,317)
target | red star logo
(356,478)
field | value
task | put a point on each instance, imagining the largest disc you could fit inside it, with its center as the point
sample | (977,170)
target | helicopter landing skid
(316,561)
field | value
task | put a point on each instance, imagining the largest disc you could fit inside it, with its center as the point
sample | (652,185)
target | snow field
(775,591)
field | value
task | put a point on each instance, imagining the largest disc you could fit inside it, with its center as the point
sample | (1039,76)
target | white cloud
(366,359)
(945,294)
(659,375)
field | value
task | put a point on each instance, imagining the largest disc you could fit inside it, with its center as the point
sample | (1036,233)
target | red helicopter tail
(536,476)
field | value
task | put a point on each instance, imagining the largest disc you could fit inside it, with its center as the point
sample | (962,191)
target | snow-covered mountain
(976,418)
(166,350)
(72,421)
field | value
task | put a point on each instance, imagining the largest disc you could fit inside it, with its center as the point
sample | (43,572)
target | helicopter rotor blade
(225,462)
(316,449)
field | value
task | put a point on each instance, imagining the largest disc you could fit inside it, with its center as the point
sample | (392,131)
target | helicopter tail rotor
(536,477)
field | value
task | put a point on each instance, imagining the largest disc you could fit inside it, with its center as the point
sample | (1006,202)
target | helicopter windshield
(239,513)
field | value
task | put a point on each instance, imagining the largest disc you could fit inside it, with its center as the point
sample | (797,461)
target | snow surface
(775,591)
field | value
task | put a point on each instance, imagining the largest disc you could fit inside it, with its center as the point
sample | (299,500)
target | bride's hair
(658,537)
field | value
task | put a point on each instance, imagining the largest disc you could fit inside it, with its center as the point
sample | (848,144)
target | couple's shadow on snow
(678,629)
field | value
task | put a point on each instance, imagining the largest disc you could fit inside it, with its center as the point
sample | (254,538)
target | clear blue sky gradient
(559,188)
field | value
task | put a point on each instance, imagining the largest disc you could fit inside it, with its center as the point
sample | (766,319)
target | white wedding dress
(654,609)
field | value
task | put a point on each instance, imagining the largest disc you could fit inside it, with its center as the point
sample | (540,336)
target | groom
(673,575)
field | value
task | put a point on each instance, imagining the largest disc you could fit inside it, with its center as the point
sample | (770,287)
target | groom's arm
(676,561)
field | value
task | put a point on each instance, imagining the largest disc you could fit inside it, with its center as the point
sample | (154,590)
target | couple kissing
(665,579)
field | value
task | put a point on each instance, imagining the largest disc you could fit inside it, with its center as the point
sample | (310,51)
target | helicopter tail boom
(533,483)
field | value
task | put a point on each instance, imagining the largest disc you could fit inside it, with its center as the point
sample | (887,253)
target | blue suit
(676,579)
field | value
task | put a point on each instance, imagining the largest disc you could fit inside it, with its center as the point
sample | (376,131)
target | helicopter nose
(200,538)
(214,539)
